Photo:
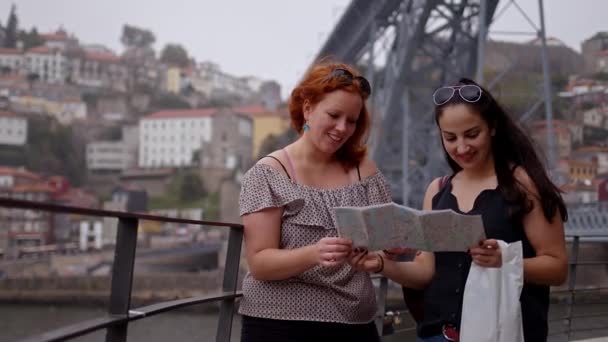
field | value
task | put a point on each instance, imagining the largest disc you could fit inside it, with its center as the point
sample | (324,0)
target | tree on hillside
(30,39)
(277,142)
(169,101)
(191,188)
(51,149)
(136,37)
(12,29)
(175,54)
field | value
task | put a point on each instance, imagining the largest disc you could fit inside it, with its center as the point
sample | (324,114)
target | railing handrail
(120,314)
(58,208)
(103,322)
(116,321)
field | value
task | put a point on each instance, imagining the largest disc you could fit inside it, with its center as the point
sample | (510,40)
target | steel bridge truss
(407,49)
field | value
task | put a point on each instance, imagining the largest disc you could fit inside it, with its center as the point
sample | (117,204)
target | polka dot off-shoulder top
(339,294)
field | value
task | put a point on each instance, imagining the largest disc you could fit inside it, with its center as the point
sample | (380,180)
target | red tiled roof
(253,110)
(18,172)
(40,49)
(582,163)
(42,187)
(56,36)
(578,187)
(78,197)
(10,114)
(567,187)
(9,51)
(182,113)
(188,71)
(102,56)
(592,149)
(10,77)
(543,123)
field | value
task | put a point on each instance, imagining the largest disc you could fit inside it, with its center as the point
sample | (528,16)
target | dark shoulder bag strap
(278,161)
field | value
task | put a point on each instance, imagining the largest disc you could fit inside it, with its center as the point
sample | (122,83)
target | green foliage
(12,29)
(224,102)
(558,82)
(273,142)
(187,191)
(51,149)
(587,105)
(602,76)
(13,156)
(169,101)
(136,37)
(30,39)
(519,91)
(211,207)
(113,133)
(172,201)
(175,54)
(90,99)
(191,187)
(210,204)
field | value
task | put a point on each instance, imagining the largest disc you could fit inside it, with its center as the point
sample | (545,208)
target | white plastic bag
(491,311)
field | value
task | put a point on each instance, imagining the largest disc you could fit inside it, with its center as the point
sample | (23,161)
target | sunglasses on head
(347,77)
(468,92)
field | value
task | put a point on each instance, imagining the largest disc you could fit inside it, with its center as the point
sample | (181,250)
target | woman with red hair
(305,283)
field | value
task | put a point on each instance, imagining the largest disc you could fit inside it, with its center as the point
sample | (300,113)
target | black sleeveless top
(443,297)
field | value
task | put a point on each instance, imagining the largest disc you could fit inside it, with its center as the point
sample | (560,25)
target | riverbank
(95,290)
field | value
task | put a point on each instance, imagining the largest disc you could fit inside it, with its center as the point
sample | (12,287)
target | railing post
(231,273)
(382,292)
(122,276)
(572,281)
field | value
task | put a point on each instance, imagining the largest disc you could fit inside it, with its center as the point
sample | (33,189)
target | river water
(18,321)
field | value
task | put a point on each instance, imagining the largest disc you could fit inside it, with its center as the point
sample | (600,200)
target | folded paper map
(391,225)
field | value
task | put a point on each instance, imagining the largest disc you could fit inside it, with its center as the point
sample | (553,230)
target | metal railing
(572,291)
(572,295)
(120,313)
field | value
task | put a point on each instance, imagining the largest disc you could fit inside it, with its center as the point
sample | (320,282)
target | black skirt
(256,329)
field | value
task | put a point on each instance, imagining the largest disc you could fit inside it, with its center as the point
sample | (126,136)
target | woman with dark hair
(304,282)
(496,174)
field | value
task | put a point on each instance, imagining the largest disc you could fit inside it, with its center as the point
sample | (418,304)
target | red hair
(313,87)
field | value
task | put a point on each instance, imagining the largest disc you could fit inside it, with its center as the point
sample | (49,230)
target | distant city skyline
(270,39)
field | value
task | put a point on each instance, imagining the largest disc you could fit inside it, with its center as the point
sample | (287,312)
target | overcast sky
(271,39)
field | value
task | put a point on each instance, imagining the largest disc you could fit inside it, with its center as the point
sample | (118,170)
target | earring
(306,128)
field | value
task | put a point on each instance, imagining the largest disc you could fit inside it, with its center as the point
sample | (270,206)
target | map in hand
(391,225)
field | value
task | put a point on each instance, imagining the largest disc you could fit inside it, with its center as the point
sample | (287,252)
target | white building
(130,139)
(50,64)
(594,117)
(210,80)
(69,110)
(58,40)
(107,156)
(13,129)
(100,69)
(171,137)
(12,59)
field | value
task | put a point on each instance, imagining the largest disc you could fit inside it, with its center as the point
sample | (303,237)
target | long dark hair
(511,148)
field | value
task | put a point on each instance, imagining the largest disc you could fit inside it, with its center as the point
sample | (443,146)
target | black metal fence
(120,313)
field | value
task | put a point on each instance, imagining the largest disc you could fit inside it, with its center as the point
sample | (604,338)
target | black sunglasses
(347,77)
(468,92)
